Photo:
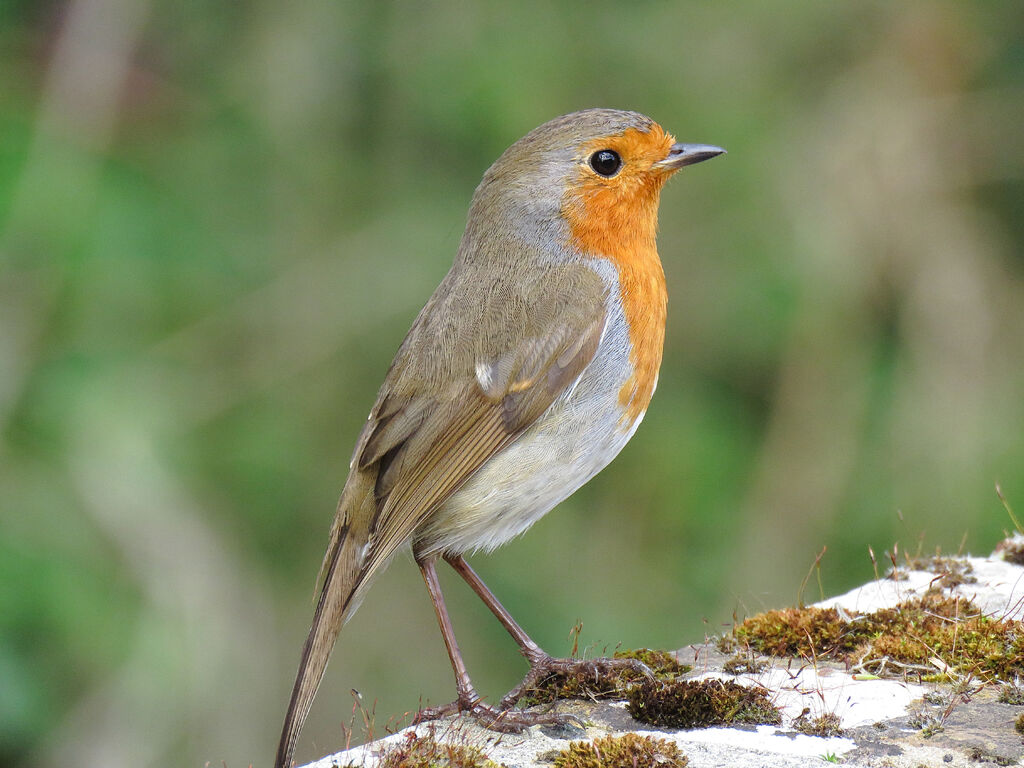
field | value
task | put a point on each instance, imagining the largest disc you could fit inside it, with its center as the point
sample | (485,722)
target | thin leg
(542,664)
(533,652)
(468,700)
(468,697)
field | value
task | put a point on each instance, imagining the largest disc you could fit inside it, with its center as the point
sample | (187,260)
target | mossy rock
(828,724)
(425,751)
(700,704)
(661,663)
(596,683)
(913,633)
(628,751)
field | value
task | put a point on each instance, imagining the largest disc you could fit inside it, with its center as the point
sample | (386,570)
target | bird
(526,372)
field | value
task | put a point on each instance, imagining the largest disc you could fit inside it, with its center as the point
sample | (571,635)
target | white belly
(571,442)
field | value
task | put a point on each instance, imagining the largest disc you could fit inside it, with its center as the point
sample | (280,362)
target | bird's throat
(621,225)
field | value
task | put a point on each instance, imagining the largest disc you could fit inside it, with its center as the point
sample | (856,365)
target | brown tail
(345,575)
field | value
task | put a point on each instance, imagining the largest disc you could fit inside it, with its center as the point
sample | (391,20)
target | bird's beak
(688,154)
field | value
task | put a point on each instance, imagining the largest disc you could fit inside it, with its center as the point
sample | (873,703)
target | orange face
(616,217)
(612,216)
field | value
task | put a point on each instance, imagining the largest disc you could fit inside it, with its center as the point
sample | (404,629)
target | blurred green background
(217,221)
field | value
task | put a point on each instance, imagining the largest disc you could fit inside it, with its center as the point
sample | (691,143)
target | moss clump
(828,724)
(426,751)
(912,633)
(1012,549)
(950,571)
(1019,725)
(591,684)
(926,723)
(727,643)
(628,751)
(1014,554)
(600,680)
(662,664)
(797,632)
(1011,694)
(744,665)
(983,755)
(699,704)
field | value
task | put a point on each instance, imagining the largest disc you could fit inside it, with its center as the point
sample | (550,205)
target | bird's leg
(468,699)
(533,652)
(541,663)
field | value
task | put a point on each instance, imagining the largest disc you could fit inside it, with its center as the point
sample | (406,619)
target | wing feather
(431,445)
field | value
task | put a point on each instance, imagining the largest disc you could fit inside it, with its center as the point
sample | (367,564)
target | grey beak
(688,154)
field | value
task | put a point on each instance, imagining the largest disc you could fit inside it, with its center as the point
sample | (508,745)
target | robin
(526,372)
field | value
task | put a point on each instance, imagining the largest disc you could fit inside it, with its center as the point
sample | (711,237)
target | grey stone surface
(887,723)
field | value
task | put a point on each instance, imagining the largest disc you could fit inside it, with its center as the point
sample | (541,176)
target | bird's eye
(606,162)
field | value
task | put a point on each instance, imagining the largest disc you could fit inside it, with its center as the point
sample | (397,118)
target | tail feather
(345,576)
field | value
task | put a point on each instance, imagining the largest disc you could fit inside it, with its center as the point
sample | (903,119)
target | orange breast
(617,219)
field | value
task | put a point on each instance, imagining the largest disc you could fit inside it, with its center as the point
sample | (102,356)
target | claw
(505,718)
(545,666)
(495,718)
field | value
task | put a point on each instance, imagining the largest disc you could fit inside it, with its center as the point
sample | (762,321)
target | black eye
(606,162)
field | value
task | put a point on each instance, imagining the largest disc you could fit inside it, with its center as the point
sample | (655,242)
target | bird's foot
(550,678)
(503,720)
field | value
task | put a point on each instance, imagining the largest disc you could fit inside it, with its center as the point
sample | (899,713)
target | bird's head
(590,180)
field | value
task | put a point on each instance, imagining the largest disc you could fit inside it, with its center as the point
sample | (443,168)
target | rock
(942,709)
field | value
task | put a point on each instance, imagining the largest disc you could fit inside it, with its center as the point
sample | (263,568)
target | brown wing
(520,346)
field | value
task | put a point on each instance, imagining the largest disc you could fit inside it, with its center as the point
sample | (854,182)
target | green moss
(1011,694)
(950,571)
(983,755)
(912,633)
(597,683)
(925,722)
(699,704)
(744,664)
(727,643)
(592,685)
(425,751)
(662,664)
(1019,725)
(828,724)
(1012,550)
(1014,554)
(628,751)
(797,632)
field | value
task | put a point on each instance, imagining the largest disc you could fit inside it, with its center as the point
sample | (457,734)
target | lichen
(628,751)
(699,704)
